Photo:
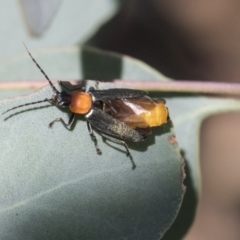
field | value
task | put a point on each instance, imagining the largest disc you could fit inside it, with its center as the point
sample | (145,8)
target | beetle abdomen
(155,117)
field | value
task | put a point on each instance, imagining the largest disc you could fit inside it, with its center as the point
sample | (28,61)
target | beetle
(118,114)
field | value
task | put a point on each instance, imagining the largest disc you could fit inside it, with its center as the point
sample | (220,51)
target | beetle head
(62,99)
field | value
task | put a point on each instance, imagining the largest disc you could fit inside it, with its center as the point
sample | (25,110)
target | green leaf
(70,23)
(53,183)
(39,14)
(187,114)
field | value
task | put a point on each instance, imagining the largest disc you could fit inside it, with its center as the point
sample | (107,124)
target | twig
(148,85)
(185,86)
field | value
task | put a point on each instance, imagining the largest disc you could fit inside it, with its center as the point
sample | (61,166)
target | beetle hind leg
(112,139)
(94,139)
(115,140)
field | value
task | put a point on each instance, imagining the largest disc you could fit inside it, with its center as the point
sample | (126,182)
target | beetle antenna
(26,104)
(45,75)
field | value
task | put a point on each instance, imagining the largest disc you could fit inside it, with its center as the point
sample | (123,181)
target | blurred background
(185,40)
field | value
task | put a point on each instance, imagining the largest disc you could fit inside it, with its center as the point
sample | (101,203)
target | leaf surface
(53,183)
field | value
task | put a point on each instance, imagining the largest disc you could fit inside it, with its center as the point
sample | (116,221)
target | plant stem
(149,85)
(185,86)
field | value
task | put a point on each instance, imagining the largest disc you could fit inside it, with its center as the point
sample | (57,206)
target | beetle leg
(121,143)
(69,123)
(94,139)
(91,88)
(62,85)
(73,89)
(97,85)
(115,140)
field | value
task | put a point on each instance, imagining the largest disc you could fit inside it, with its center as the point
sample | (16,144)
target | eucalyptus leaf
(53,183)
(187,113)
(39,14)
(57,24)
(35,175)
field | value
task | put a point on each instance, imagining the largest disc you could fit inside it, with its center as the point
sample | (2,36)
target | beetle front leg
(94,139)
(74,88)
(69,123)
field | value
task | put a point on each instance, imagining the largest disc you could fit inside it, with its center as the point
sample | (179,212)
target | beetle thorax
(81,102)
